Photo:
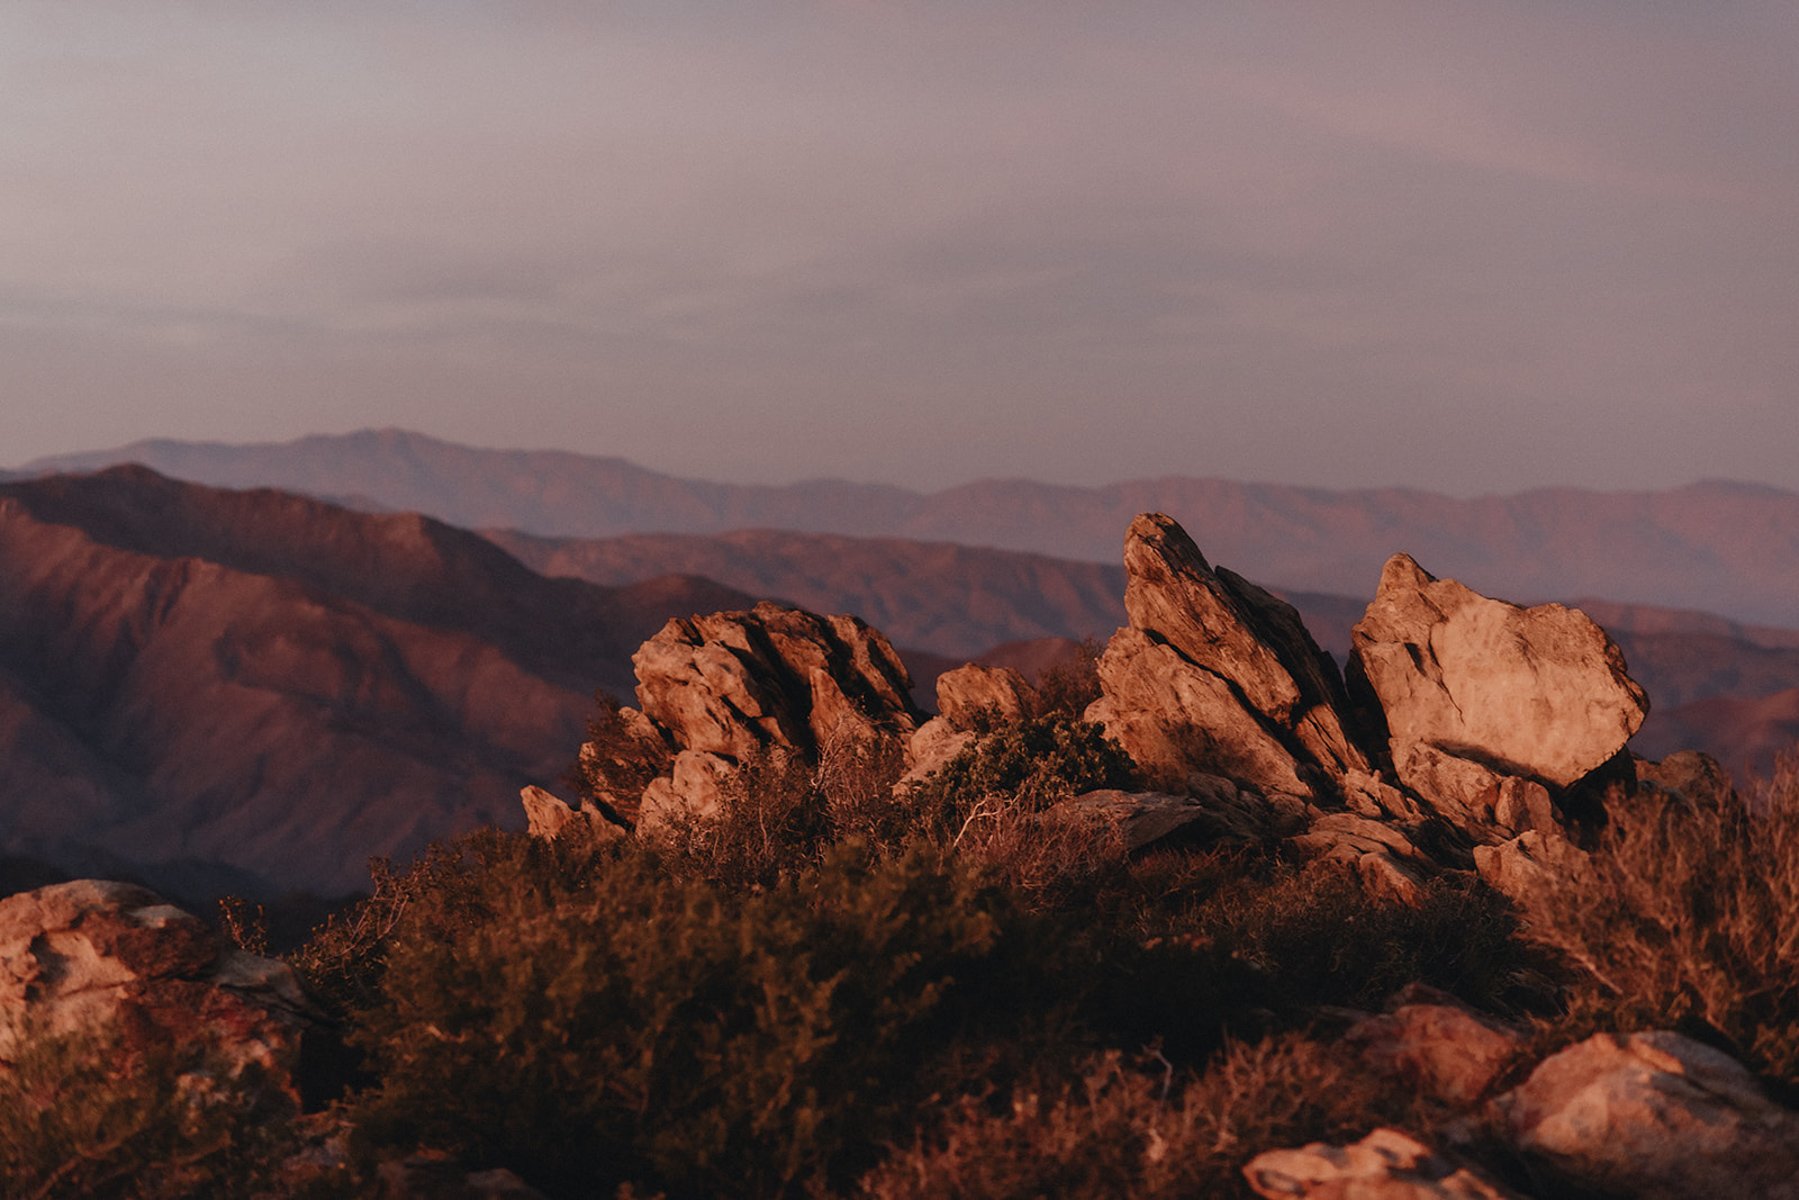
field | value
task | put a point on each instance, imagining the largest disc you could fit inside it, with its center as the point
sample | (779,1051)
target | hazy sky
(1469,246)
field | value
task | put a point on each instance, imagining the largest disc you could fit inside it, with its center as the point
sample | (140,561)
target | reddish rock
(1655,1116)
(726,688)
(115,960)
(1216,676)
(1533,692)
(1449,1052)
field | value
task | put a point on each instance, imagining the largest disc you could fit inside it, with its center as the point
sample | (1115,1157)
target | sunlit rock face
(1474,688)
(716,691)
(1216,676)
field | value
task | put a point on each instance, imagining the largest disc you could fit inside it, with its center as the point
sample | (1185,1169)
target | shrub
(657,1029)
(1125,1130)
(1029,764)
(1066,688)
(1687,916)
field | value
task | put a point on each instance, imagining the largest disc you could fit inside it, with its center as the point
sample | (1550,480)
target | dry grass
(1137,1129)
(1688,916)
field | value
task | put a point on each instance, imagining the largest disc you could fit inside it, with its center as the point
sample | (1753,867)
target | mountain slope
(947,599)
(1727,548)
(259,691)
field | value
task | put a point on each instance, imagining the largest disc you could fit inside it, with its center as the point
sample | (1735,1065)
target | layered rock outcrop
(115,961)
(715,692)
(1215,676)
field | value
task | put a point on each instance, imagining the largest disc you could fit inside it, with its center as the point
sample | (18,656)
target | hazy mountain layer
(260,691)
(1718,547)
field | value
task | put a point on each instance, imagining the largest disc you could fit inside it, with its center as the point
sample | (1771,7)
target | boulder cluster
(1468,733)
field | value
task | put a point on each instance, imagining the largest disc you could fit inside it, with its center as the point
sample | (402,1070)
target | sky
(1473,247)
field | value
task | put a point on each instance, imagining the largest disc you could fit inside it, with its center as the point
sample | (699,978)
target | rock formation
(1656,1116)
(1215,676)
(116,961)
(1475,691)
(717,691)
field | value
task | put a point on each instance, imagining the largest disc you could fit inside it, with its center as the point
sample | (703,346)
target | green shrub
(1126,1130)
(1687,916)
(1027,764)
(645,1027)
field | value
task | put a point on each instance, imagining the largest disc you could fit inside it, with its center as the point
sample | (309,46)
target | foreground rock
(115,961)
(1653,1115)
(1385,1165)
(715,692)
(1444,1049)
(1214,676)
(1476,690)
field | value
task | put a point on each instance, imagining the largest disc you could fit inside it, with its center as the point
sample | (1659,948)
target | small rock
(968,695)
(1656,1116)
(1450,1052)
(547,815)
(1521,866)
(1385,1165)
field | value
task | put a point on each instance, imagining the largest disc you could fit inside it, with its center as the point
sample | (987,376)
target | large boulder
(717,691)
(1215,676)
(117,962)
(1385,1165)
(1656,1116)
(1476,690)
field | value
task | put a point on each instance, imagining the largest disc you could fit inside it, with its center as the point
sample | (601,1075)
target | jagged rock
(967,694)
(1518,867)
(1449,1052)
(726,688)
(1216,676)
(547,815)
(117,961)
(1220,812)
(1538,693)
(1656,1116)
(1385,1165)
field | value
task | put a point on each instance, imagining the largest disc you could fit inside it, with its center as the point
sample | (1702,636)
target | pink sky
(1459,246)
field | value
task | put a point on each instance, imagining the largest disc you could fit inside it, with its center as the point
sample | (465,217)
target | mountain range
(231,690)
(1726,548)
(256,690)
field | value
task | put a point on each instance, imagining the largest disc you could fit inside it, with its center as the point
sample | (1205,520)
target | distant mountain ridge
(254,691)
(1717,547)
